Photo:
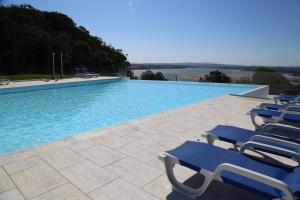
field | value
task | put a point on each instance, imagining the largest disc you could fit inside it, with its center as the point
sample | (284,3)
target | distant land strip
(295,70)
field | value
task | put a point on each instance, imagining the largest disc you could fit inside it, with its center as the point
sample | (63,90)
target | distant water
(199,72)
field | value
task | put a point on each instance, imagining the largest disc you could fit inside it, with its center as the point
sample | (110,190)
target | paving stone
(112,141)
(52,146)
(16,156)
(134,171)
(13,194)
(126,132)
(64,192)
(87,176)
(120,190)
(82,145)
(5,181)
(89,135)
(102,155)
(138,151)
(62,158)
(144,139)
(160,187)
(23,164)
(37,180)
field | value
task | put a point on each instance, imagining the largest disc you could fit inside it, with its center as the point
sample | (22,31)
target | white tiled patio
(120,162)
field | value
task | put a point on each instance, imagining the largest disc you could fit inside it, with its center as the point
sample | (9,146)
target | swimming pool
(37,115)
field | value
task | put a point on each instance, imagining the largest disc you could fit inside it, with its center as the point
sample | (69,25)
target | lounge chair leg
(257,126)
(236,147)
(210,138)
(180,187)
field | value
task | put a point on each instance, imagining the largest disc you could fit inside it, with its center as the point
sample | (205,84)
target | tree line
(262,76)
(29,36)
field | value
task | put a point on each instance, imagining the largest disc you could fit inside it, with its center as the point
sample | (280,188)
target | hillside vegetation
(29,36)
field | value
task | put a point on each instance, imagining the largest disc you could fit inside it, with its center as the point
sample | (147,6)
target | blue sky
(250,32)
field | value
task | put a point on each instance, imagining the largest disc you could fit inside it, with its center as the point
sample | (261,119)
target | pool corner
(259,92)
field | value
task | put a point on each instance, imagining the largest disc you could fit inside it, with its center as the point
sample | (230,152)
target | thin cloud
(131,7)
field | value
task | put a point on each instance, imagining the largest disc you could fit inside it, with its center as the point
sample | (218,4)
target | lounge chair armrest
(254,176)
(273,140)
(271,126)
(293,106)
(282,130)
(270,148)
(252,116)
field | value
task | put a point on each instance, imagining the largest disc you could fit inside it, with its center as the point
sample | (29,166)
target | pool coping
(23,86)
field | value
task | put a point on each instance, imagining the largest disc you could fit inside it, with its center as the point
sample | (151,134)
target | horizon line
(212,63)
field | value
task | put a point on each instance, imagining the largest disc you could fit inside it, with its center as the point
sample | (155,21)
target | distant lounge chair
(84,73)
(4,80)
(287,99)
(272,116)
(267,180)
(278,135)
(278,107)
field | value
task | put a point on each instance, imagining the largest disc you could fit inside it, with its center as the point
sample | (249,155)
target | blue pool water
(38,116)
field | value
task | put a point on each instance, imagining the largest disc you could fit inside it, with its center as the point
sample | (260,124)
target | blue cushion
(273,106)
(197,156)
(233,134)
(292,118)
(294,109)
(271,113)
(266,113)
(287,98)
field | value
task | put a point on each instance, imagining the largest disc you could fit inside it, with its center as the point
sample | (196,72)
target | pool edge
(259,92)
(53,85)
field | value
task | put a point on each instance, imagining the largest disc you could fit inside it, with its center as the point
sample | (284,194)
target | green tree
(268,76)
(149,75)
(160,76)
(216,77)
(29,36)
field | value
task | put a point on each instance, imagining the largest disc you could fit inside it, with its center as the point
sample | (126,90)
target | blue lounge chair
(272,116)
(277,107)
(267,180)
(278,135)
(78,72)
(4,80)
(84,73)
(287,99)
(88,74)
